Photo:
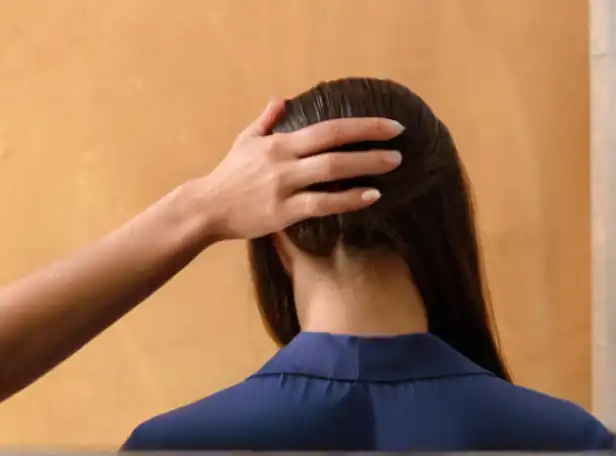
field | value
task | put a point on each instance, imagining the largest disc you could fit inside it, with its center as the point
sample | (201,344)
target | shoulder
(197,425)
(570,423)
(540,420)
(256,413)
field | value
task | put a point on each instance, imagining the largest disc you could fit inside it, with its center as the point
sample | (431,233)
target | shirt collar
(377,359)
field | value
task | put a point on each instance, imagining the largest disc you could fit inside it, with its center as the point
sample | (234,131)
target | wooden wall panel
(603,180)
(104,106)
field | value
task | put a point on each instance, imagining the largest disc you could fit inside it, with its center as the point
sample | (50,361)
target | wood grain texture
(106,106)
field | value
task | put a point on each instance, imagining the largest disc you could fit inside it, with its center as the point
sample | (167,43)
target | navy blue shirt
(410,392)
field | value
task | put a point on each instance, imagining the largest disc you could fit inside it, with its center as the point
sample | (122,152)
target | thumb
(265,122)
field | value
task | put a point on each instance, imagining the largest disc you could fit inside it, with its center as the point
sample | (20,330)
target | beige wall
(603,183)
(104,106)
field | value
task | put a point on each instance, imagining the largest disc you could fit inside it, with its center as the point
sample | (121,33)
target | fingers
(336,166)
(335,133)
(321,204)
(265,122)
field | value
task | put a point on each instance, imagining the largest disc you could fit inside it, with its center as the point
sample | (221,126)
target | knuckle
(379,127)
(275,182)
(269,205)
(275,145)
(336,134)
(331,166)
(313,205)
(270,211)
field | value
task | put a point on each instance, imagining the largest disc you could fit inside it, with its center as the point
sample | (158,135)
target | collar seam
(362,380)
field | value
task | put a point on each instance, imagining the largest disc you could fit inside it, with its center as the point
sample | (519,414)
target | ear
(283,249)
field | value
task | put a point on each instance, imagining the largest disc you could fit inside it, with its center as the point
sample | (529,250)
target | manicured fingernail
(371,195)
(397,125)
(394,157)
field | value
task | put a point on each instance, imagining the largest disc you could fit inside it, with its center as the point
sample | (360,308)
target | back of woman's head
(425,215)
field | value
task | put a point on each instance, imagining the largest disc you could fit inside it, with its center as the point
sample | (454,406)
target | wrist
(199,213)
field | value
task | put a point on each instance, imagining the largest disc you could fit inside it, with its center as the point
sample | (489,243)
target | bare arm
(48,315)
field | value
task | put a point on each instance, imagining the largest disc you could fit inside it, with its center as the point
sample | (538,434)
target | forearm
(47,316)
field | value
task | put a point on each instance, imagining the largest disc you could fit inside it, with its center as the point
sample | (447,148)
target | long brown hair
(425,215)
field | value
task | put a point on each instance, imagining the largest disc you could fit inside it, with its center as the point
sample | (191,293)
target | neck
(371,296)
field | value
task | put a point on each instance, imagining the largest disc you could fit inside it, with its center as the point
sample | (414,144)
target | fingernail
(394,157)
(371,195)
(397,125)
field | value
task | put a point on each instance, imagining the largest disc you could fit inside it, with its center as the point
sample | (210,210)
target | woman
(382,315)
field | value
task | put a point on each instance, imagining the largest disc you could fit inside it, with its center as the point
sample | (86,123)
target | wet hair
(425,215)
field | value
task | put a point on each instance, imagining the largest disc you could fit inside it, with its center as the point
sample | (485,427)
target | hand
(259,188)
